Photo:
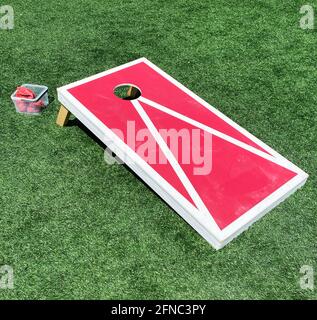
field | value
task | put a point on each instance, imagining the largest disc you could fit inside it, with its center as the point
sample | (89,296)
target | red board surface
(215,174)
(239,179)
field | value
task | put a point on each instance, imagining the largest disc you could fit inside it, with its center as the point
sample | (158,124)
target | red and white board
(220,180)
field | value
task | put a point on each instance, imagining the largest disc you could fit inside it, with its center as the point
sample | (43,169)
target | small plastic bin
(32,106)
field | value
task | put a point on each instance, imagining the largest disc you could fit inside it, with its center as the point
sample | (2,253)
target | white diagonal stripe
(216,133)
(174,163)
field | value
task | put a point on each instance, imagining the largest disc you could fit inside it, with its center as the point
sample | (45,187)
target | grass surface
(73,227)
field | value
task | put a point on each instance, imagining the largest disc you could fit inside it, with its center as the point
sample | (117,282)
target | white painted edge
(217,238)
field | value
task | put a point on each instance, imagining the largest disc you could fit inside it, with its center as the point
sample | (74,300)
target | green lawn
(74,227)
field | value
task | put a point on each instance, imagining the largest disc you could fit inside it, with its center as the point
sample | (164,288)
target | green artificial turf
(74,227)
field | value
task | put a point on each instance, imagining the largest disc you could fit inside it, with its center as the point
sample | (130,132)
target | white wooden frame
(200,222)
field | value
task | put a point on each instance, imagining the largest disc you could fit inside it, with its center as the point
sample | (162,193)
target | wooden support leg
(129,93)
(132,92)
(63,116)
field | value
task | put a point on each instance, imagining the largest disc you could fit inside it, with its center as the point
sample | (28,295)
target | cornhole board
(247,177)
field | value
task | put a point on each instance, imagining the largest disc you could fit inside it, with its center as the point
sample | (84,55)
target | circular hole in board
(127,92)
